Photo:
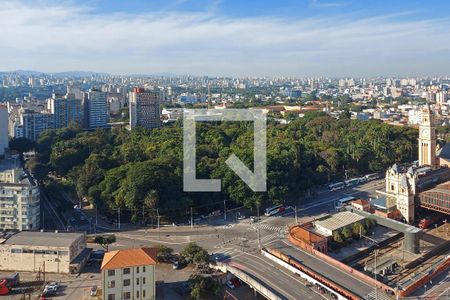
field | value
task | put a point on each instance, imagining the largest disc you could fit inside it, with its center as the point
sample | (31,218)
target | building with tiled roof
(129,274)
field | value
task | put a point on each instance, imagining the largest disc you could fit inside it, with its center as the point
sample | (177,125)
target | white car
(94,291)
(52,285)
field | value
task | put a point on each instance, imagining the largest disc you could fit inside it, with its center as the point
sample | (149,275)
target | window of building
(137,281)
(137,270)
(143,269)
(111,297)
(143,280)
(126,295)
(126,271)
(111,272)
(126,282)
(143,293)
(137,294)
(111,284)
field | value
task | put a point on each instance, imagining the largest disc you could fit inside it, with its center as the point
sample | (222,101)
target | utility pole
(118,217)
(157,213)
(403,252)
(295,211)
(224,210)
(375,275)
(259,239)
(192,219)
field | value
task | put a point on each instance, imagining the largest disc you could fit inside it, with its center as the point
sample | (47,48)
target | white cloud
(57,37)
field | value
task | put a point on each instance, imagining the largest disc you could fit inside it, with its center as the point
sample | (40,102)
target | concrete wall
(33,262)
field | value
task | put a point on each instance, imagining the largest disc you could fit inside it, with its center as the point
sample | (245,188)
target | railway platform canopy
(437,199)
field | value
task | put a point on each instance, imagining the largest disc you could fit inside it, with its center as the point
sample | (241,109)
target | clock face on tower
(425,132)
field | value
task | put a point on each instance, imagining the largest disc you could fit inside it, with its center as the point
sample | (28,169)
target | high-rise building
(66,110)
(144,108)
(95,108)
(57,107)
(3,129)
(19,198)
(74,110)
(34,123)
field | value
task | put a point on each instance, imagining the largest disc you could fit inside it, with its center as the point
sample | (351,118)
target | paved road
(239,242)
(50,220)
(273,276)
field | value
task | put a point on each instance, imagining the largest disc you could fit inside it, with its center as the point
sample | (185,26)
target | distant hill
(56,74)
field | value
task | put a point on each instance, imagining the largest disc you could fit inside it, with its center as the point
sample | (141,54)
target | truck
(8,284)
(429,220)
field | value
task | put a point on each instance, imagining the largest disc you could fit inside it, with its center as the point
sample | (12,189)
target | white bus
(352,182)
(336,186)
(274,210)
(372,176)
(343,201)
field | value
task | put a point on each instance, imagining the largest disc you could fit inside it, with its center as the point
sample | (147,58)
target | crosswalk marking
(271,228)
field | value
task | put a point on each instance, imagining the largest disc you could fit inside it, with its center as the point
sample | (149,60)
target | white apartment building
(129,274)
(19,198)
(3,129)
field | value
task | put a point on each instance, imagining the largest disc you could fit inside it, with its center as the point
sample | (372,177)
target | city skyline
(223,38)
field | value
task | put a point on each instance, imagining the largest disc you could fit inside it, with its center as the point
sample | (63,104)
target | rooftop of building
(444,151)
(443,188)
(9,164)
(362,202)
(37,238)
(127,258)
(307,234)
(339,220)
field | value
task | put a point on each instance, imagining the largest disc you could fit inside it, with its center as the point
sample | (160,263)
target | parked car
(94,291)
(241,217)
(176,265)
(230,284)
(51,289)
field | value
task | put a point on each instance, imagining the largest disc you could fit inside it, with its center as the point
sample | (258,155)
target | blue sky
(228,37)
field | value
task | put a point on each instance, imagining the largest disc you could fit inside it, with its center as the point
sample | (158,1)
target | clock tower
(427,139)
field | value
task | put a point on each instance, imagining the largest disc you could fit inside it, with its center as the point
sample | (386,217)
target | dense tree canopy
(140,169)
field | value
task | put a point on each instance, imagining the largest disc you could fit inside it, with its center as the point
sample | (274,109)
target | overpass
(412,234)
(256,284)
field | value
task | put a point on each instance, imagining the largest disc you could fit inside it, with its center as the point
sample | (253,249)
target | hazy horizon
(227,38)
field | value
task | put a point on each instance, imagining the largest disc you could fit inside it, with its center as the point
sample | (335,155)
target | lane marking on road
(279,269)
